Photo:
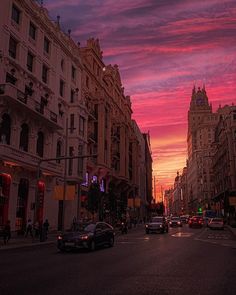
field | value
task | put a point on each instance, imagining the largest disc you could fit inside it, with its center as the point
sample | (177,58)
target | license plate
(69,244)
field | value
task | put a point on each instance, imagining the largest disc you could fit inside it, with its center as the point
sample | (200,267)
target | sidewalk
(19,241)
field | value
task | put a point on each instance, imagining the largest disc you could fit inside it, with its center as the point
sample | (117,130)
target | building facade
(65,124)
(201,126)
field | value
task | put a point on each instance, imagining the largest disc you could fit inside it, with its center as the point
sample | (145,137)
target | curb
(10,247)
(232,230)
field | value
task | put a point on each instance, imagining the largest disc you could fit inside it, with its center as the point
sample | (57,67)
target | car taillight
(84,237)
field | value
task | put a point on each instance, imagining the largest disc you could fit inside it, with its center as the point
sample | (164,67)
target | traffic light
(199,210)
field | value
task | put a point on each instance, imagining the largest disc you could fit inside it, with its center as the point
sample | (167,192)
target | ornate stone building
(201,126)
(224,162)
(60,100)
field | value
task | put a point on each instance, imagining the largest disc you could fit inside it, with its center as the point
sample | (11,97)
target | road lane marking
(182,235)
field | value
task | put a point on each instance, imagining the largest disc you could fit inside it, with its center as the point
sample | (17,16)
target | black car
(90,237)
(175,221)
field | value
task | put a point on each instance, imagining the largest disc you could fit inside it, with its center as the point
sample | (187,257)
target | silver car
(157,224)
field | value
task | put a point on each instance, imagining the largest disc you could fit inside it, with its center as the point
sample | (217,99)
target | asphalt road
(184,261)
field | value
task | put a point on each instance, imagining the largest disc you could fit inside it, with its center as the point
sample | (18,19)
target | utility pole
(65,177)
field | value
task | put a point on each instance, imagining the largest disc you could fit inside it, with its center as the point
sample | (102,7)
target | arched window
(40,144)
(5,129)
(59,151)
(24,137)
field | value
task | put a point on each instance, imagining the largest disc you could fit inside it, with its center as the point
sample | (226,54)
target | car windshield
(175,218)
(90,227)
(157,219)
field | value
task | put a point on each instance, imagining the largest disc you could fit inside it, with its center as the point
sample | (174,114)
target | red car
(195,221)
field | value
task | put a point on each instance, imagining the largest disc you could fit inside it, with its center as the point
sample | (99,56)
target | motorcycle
(124,228)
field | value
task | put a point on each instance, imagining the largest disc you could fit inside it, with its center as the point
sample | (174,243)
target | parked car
(157,224)
(216,223)
(90,237)
(175,221)
(196,221)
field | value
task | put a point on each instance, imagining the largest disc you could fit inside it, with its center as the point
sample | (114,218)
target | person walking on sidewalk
(45,229)
(29,228)
(7,232)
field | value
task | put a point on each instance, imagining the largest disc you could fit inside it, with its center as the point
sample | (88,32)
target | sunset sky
(163,48)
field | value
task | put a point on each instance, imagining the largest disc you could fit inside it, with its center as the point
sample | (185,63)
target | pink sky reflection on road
(163,48)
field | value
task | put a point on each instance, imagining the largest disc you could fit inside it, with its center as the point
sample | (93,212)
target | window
(32,31)
(12,47)
(40,144)
(15,14)
(71,153)
(45,74)
(80,161)
(81,125)
(62,85)
(72,95)
(10,79)
(62,64)
(5,129)
(87,81)
(24,137)
(30,61)
(73,72)
(46,45)
(72,123)
(59,151)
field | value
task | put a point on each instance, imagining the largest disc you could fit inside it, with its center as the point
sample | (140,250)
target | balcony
(26,103)
(92,137)
(19,157)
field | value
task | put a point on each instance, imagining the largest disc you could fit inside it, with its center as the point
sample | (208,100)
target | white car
(216,223)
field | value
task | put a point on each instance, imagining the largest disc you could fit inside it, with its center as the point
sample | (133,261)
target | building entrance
(22,200)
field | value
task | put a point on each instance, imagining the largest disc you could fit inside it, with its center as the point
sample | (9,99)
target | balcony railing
(14,95)
(21,158)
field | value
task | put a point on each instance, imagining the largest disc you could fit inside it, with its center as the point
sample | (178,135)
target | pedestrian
(74,224)
(29,228)
(7,232)
(45,229)
(36,229)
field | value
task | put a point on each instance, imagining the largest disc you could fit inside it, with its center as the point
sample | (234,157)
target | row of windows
(13,43)
(5,136)
(16,17)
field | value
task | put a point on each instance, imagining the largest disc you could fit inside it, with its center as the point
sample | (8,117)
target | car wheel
(111,242)
(92,246)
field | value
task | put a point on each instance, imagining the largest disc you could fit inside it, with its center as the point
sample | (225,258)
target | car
(90,237)
(157,224)
(216,223)
(175,221)
(196,221)
(184,218)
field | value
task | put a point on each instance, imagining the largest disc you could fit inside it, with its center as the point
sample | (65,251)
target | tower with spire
(201,126)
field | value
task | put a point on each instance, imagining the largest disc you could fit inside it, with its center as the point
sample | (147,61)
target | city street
(184,261)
